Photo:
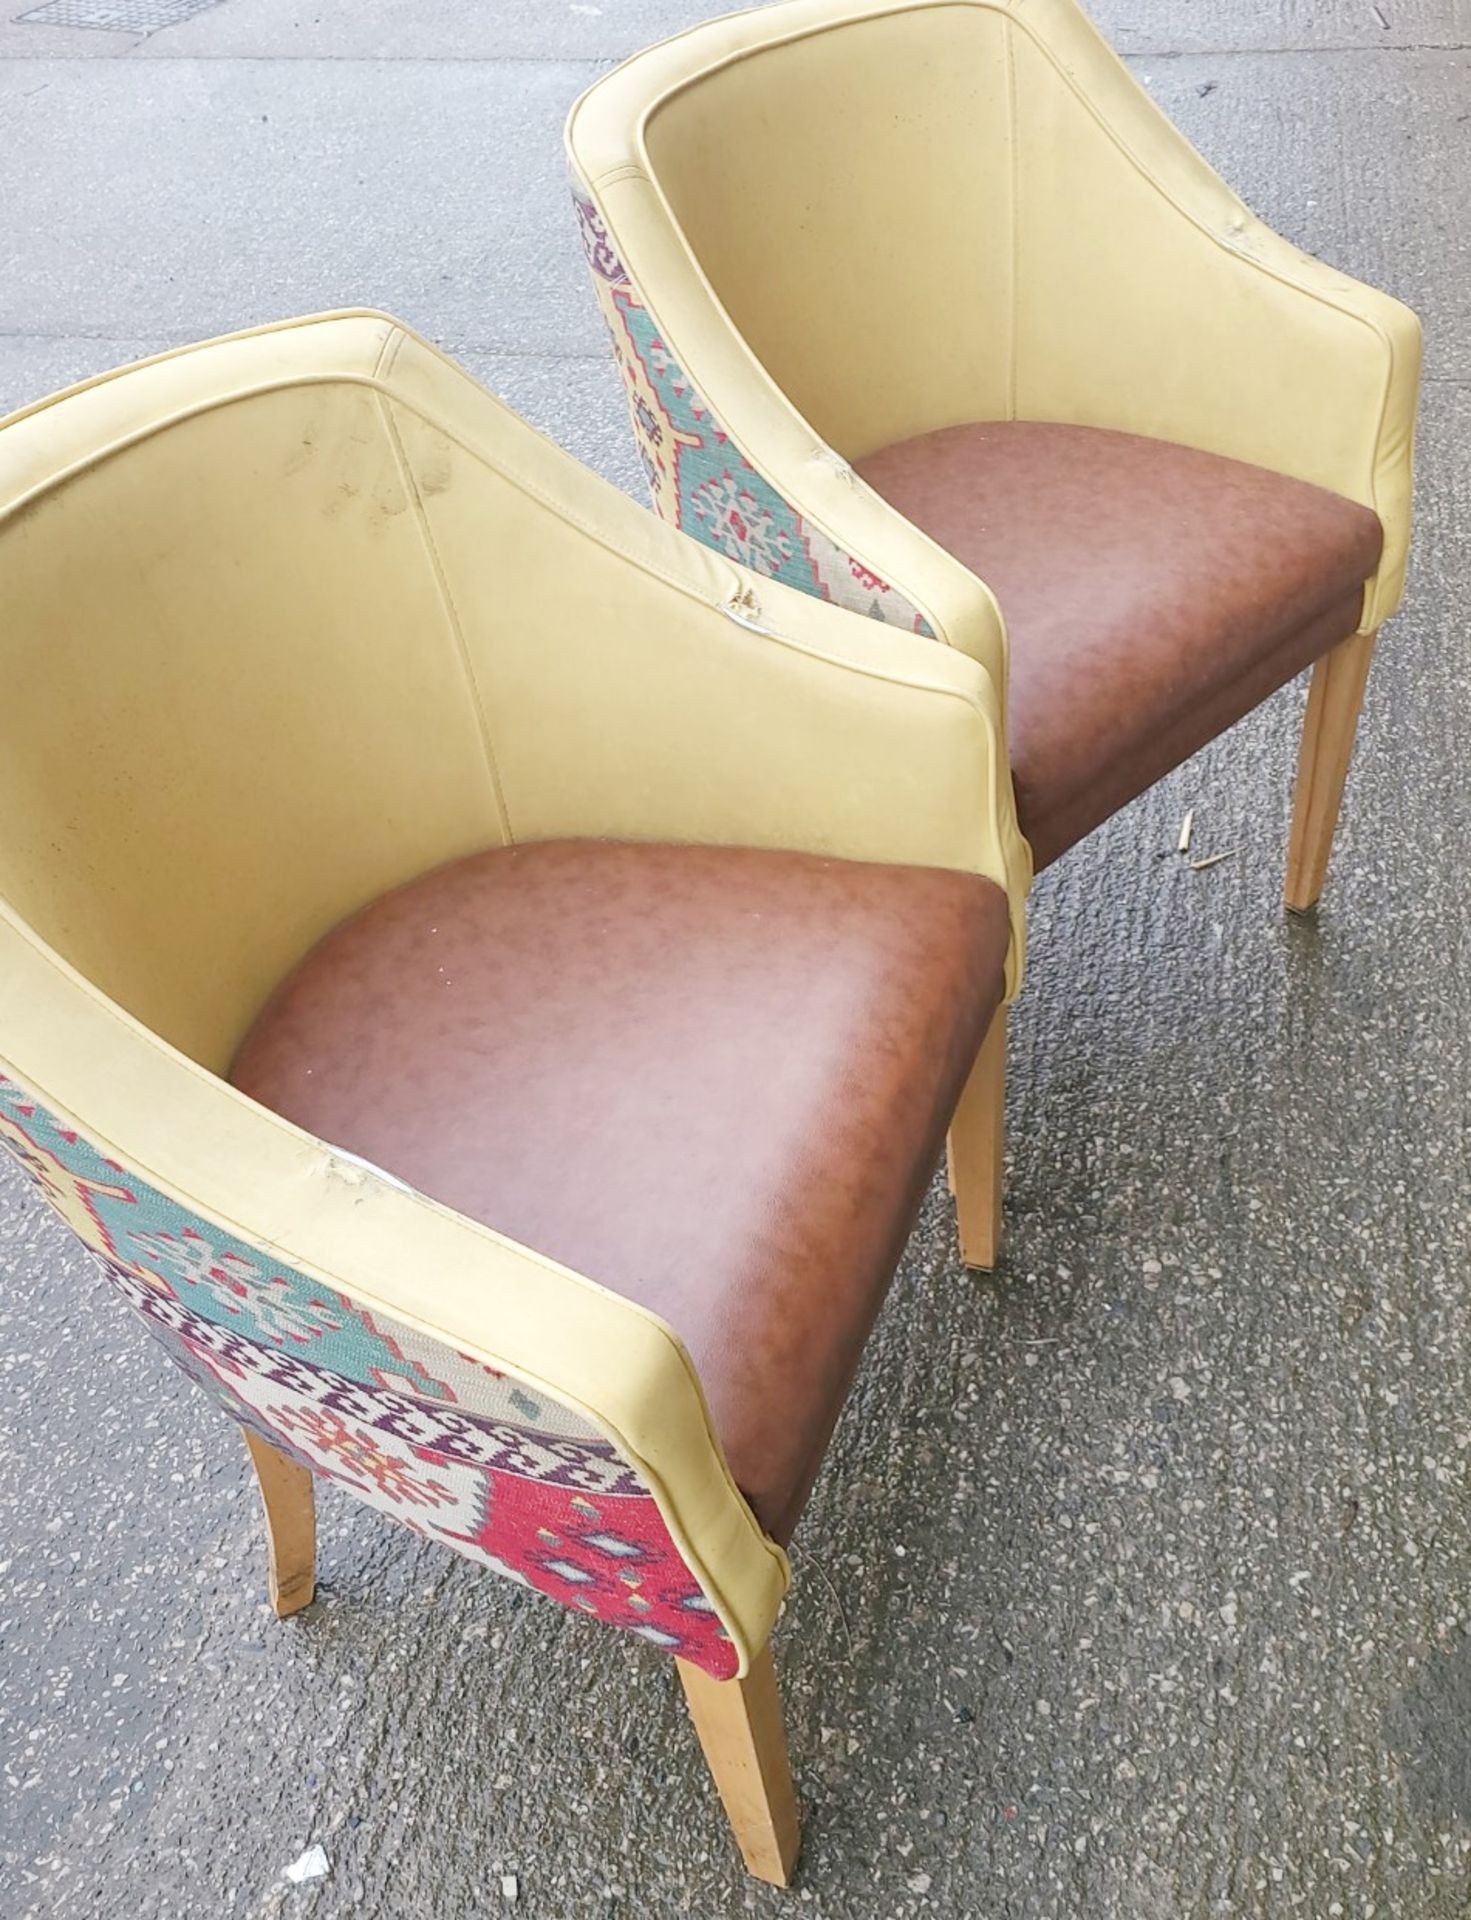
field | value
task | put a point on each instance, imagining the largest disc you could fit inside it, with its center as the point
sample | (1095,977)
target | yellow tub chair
(923,307)
(446,917)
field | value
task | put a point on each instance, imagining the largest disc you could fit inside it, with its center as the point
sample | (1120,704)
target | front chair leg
(1328,728)
(740,1727)
(291,1525)
(974,1153)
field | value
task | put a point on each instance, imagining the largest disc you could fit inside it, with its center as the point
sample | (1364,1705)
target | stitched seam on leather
(450,610)
(625,170)
(387,354)
(1013,153)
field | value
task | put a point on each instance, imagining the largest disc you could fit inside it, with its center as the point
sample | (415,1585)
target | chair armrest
(637,685)
(1149,299)
(153,1161)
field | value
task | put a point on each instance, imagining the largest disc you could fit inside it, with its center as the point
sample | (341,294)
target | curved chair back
(252,651)
(838,173)
(823,227)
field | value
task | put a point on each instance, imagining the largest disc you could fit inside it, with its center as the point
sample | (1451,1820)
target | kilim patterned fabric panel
(459,1452)
(700,481)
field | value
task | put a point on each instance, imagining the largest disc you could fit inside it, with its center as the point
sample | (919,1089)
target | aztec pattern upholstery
(438,638)
(699,480)
(453,1448)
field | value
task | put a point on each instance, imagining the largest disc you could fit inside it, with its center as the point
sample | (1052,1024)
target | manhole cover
(115,16)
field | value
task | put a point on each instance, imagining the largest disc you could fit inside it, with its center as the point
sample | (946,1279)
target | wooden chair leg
(1334,699)
(740,1727)
(291,1525)
(974,1152)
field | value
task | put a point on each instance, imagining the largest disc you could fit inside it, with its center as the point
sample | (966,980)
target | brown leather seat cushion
(1152,594)
(716,1080)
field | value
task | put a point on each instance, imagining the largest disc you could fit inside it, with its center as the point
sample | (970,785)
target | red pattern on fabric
(611,1558)
(451,1447)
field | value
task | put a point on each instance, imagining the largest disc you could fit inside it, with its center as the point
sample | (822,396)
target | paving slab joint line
(142,50)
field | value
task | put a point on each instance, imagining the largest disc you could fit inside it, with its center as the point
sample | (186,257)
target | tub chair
(445,919)
(924,308)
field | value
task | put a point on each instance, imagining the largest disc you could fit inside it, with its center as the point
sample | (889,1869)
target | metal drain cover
(115,16)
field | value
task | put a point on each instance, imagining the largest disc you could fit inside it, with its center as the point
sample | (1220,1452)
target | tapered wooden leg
(291,1525)
(740,1727)
(1334,699)
(974,1153)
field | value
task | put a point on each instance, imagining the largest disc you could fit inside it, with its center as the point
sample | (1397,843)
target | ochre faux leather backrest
(846,194)
(230,712)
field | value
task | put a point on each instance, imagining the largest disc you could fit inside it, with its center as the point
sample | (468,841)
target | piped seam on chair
(1013,157)
(129,368)
(388,354)
(450,610)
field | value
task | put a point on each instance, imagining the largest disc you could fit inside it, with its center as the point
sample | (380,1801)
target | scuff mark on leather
(354,1171)
(745,609)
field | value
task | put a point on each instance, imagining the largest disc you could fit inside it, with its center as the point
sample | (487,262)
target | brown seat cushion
(1152,594)
(716,1080)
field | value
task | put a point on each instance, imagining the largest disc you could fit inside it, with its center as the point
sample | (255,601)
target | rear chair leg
(740,1727)
(291,1525)
(977,1139)
(1328,729)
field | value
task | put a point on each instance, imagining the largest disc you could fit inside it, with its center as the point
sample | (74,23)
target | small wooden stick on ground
(1213,860)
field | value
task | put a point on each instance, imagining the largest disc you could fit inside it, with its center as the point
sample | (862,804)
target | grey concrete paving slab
(1186,26)
(612,29)
(433,29)
(474,238)
(1135,1587)
(438,191)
